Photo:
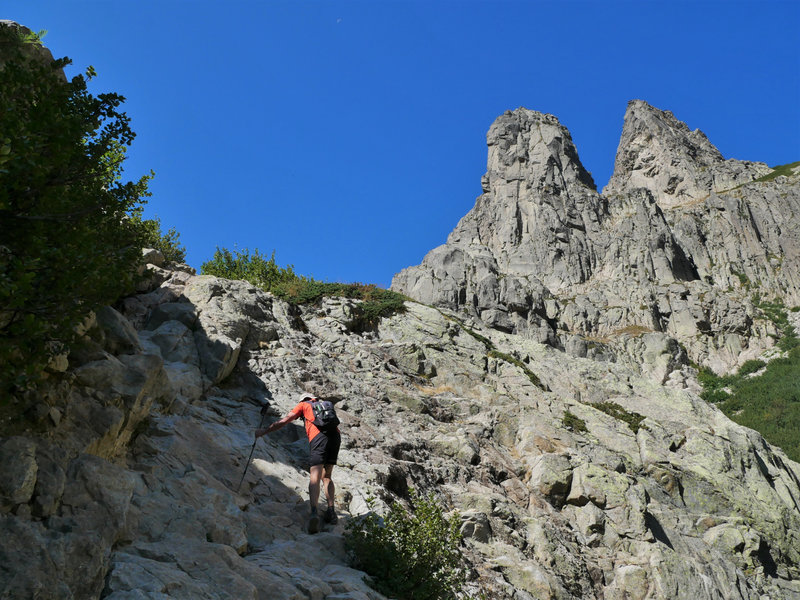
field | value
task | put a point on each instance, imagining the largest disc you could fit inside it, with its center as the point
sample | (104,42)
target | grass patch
(572,422)
(633,419)
(770,402)
(786,169)
(517,362)
(483,340)
(434,390)
(632,331)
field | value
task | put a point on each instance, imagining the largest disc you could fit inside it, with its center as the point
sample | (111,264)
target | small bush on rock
(411,555)
(169,243)
(297,289)
(573,422)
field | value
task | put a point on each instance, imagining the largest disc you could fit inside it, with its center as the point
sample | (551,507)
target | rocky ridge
(677,244)
(574,478)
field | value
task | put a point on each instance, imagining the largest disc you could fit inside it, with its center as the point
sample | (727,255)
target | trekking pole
(260,425)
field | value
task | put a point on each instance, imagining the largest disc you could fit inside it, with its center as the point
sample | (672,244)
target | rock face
(545,396)
(133,493)
(677,244)
(659,153)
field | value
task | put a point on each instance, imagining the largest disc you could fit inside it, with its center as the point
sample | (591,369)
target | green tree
(68,243)
(169,243)
(411,554)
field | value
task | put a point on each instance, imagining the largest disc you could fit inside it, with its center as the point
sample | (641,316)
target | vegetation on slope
(297,289)
(787,169)
(71,231)
(169,243)
(411,554)
(768,402)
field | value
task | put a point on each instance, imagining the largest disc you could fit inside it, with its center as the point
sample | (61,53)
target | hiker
(324,440)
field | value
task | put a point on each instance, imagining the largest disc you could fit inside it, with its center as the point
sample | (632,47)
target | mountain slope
(689,505)
(543,389)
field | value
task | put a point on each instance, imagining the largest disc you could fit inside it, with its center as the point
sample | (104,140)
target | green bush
(769,403)
(411,555)
(67,242)
(255,268)
(751,366)
(573,422)
(169,243)
(633,419)
(296,289)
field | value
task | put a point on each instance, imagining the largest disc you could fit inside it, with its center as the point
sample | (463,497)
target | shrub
(633,419)
(67,242)
(169,243)
(769,403)
(296,289)
(255,268)
(411,554)
(573,422)
(750,366)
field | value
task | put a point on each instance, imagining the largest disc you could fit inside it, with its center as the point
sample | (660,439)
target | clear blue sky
(349,137)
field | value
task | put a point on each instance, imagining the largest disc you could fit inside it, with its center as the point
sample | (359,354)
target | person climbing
(324,440)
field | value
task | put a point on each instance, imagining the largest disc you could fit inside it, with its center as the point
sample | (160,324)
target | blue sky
(349,137)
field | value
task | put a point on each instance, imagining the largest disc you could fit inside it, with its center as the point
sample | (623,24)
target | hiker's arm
(276,425)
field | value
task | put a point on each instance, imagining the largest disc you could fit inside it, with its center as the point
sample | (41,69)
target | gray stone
(114,332)
(19,468)
(551,476)
(152,256)
(183,312)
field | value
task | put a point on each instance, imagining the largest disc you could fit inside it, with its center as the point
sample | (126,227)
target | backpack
(325,418)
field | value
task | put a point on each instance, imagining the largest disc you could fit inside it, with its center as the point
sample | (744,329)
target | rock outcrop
(659,153)
(574,478)
(677,244)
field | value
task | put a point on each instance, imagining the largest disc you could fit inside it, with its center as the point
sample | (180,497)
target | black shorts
(324,449)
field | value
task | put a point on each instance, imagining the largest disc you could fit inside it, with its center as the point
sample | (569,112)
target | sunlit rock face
(677,244)
(128,483)
(659,153)
(543,390)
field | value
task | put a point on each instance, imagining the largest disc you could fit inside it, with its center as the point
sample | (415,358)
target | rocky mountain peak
(586,467)
(676,245)
(526,145)
(677,165)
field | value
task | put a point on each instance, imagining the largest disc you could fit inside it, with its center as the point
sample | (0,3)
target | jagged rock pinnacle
(678,166)
(678,227)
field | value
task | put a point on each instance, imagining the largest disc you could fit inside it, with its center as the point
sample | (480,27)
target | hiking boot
(313,522)
(330,516)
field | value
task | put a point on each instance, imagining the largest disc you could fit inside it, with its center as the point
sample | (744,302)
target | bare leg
(327,482)
(313,485)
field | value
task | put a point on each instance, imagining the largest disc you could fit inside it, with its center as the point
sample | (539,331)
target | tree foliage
(169,243)
(255,268)
(411,554)
(67,242)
